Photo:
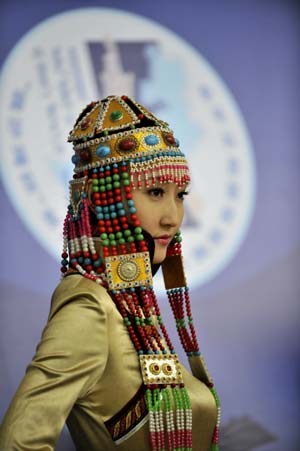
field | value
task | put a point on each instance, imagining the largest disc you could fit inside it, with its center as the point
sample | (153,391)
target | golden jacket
(84,371)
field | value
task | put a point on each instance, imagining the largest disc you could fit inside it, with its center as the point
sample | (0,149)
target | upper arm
(70,358)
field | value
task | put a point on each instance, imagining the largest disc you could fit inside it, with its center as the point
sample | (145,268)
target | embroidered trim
(129,417)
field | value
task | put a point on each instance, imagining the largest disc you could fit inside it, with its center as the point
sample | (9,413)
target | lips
(164,240)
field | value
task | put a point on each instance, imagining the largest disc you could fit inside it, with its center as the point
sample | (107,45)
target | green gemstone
(108,179)
(101,182)
(126,182)
(130,239)
(76,195)
(95,181)
(140,237)
(116,184)
(138,230)
(116,177)
(119,235)
(116,115)
(102,189)
(113,243)
(127,232)
(111,236)
(95,189)
(105,133)
(125,175)
(109,186)
(105,243)
(121,241)
(103,236)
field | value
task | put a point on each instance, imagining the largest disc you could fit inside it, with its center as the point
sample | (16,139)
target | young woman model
(105,364)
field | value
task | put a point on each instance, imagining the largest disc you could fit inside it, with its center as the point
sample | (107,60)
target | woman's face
(160,210)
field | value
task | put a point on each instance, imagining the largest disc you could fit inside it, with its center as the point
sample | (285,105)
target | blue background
(249,313)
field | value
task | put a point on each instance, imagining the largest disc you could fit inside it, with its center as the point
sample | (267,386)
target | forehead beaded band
(120,146)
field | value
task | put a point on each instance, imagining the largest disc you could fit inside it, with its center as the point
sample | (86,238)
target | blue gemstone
(75,159)
(132,210)
(130,203)
(97,263)
(151,140)
(102,151)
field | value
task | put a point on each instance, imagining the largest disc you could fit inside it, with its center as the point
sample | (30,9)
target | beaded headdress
(120,146)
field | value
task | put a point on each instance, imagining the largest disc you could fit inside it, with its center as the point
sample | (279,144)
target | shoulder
(77,289)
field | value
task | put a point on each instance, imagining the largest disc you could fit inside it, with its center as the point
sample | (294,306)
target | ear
(90,195)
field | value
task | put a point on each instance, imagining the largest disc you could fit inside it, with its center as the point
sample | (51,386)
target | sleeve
(70,358)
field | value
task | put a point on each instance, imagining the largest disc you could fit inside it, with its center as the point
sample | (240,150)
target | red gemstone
(141,116)
(169,138)
(124,97)
(85,123)
(127,144)
(84,155)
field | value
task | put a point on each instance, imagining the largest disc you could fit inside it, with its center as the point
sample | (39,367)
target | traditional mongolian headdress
(119,145)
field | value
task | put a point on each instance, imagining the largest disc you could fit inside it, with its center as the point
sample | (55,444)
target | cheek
(181,215)
(143,209)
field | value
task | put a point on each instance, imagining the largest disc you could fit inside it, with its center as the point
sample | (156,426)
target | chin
(157,259)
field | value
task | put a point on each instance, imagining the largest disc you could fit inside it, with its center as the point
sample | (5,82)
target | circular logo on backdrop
(82,55)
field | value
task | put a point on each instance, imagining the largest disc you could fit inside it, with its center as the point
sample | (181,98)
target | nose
(170,217)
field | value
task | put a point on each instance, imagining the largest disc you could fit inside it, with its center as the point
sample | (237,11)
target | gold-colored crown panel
(124,146)
(112,114)
(85,128)
(149,115)
(116,116)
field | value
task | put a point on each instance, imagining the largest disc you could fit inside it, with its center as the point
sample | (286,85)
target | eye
(181,195)
(156,192)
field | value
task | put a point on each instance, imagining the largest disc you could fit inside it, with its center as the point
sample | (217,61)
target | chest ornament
(161,369)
